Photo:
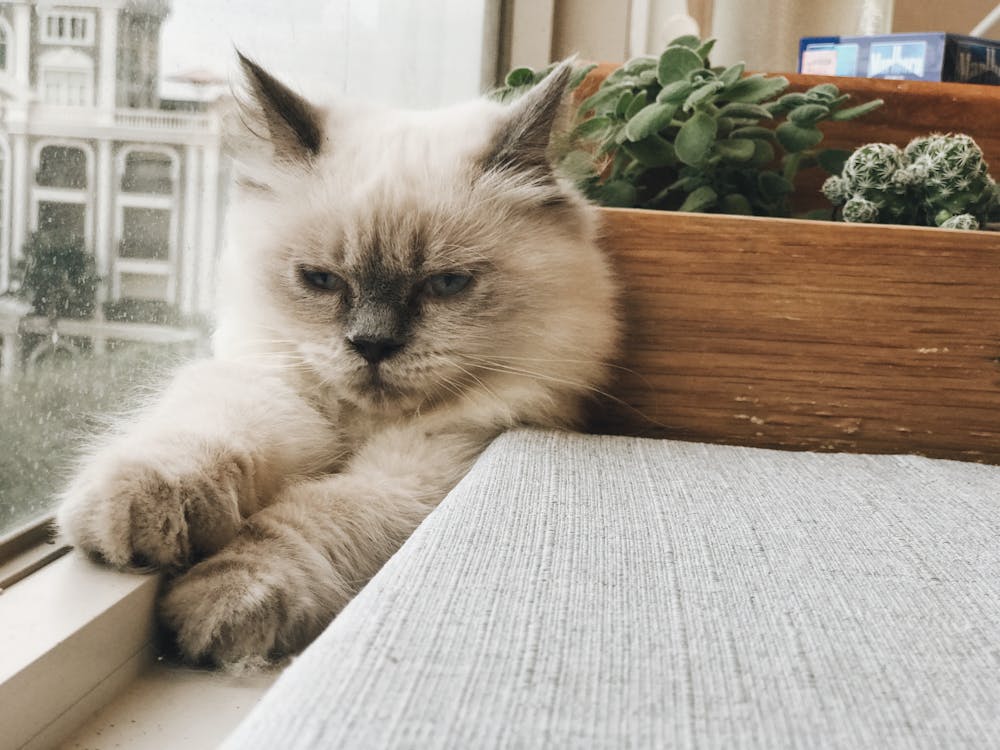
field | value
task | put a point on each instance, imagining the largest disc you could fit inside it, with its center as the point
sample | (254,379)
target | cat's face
(409,259)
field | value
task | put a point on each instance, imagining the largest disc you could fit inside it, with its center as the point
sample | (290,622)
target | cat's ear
(522,141)
(292,125)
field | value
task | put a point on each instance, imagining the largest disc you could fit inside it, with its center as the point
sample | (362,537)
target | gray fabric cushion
(600,592)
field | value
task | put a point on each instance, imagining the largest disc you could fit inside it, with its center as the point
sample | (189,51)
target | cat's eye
(325,281)
(448,284)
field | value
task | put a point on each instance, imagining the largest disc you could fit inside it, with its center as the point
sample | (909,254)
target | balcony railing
(161,120)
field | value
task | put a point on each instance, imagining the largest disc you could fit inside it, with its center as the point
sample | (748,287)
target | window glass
(67,219)
(147,172)
(110,237)
(62,167)
(145,233)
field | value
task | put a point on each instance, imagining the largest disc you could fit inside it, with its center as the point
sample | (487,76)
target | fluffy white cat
(399,288)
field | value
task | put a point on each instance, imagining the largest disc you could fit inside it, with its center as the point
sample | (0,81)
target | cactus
(870,187)
(937,180)
(952,179)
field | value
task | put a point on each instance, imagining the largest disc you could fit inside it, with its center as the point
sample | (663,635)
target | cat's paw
(164,505)
(241,606)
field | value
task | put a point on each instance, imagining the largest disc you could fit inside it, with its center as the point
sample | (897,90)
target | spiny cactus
(870,188)
(952,178)
(937,180)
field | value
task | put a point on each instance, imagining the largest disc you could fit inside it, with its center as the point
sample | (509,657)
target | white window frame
(5,201)
(8,39)
(88,18)
(75,635)
(62,62)
(83,196)
(162,201)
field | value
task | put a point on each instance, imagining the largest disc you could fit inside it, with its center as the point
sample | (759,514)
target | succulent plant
(872,186)
(937,180)
(675,133)
(951,179)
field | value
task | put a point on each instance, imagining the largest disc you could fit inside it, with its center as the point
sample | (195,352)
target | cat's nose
(374,350)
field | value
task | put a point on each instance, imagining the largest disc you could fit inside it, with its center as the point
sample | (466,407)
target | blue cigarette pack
(915,57)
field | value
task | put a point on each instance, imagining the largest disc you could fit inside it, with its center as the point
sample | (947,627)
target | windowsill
(72,635)
(78,667)
(168,706)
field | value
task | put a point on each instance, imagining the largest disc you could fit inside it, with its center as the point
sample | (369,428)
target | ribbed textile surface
(601,592)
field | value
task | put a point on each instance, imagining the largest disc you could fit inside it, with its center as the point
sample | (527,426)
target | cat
(397,289)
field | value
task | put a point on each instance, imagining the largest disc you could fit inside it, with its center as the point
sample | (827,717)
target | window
(62,167)
(68,219)
(148,172)
(146,233)
(5,37)
(68,88)
(66,27)
(66,78)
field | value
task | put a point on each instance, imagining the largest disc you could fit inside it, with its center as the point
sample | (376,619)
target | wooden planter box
(817,335)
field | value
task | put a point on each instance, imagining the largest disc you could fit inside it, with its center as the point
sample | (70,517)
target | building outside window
(92,178)
(67,27)
(5,40)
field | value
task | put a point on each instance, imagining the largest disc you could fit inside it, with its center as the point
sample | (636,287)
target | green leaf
(787,102)
(705,49)
(676,63)
(593,128)
(736,149)
(755,88)
(520,77)
(688,40)
(623,103)
(688,183)
(617,194)
(578,165)
(638,64)
(638,103)
(746,111)
(763,153)
(604,99)
(862,109)
(652,119)
(832,160)
(753,131)
(579,74)
(773,186)
(695,138)
(652,151)
(808,114)
(735,203)
(702,198)
(794,138)
(732,74)
(675,92)
(705,92)
(823,92)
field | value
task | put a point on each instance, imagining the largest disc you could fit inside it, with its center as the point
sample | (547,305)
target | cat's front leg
(173,485)
(295,564)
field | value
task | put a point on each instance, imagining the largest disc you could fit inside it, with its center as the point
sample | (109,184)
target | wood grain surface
(807,335)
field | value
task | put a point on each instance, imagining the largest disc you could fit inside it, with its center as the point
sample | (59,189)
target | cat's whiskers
(487,364)
(477,379)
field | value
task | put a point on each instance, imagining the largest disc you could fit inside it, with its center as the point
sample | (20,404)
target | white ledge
(71,636)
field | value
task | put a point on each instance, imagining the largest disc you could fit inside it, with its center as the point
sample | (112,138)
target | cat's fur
(276,478)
